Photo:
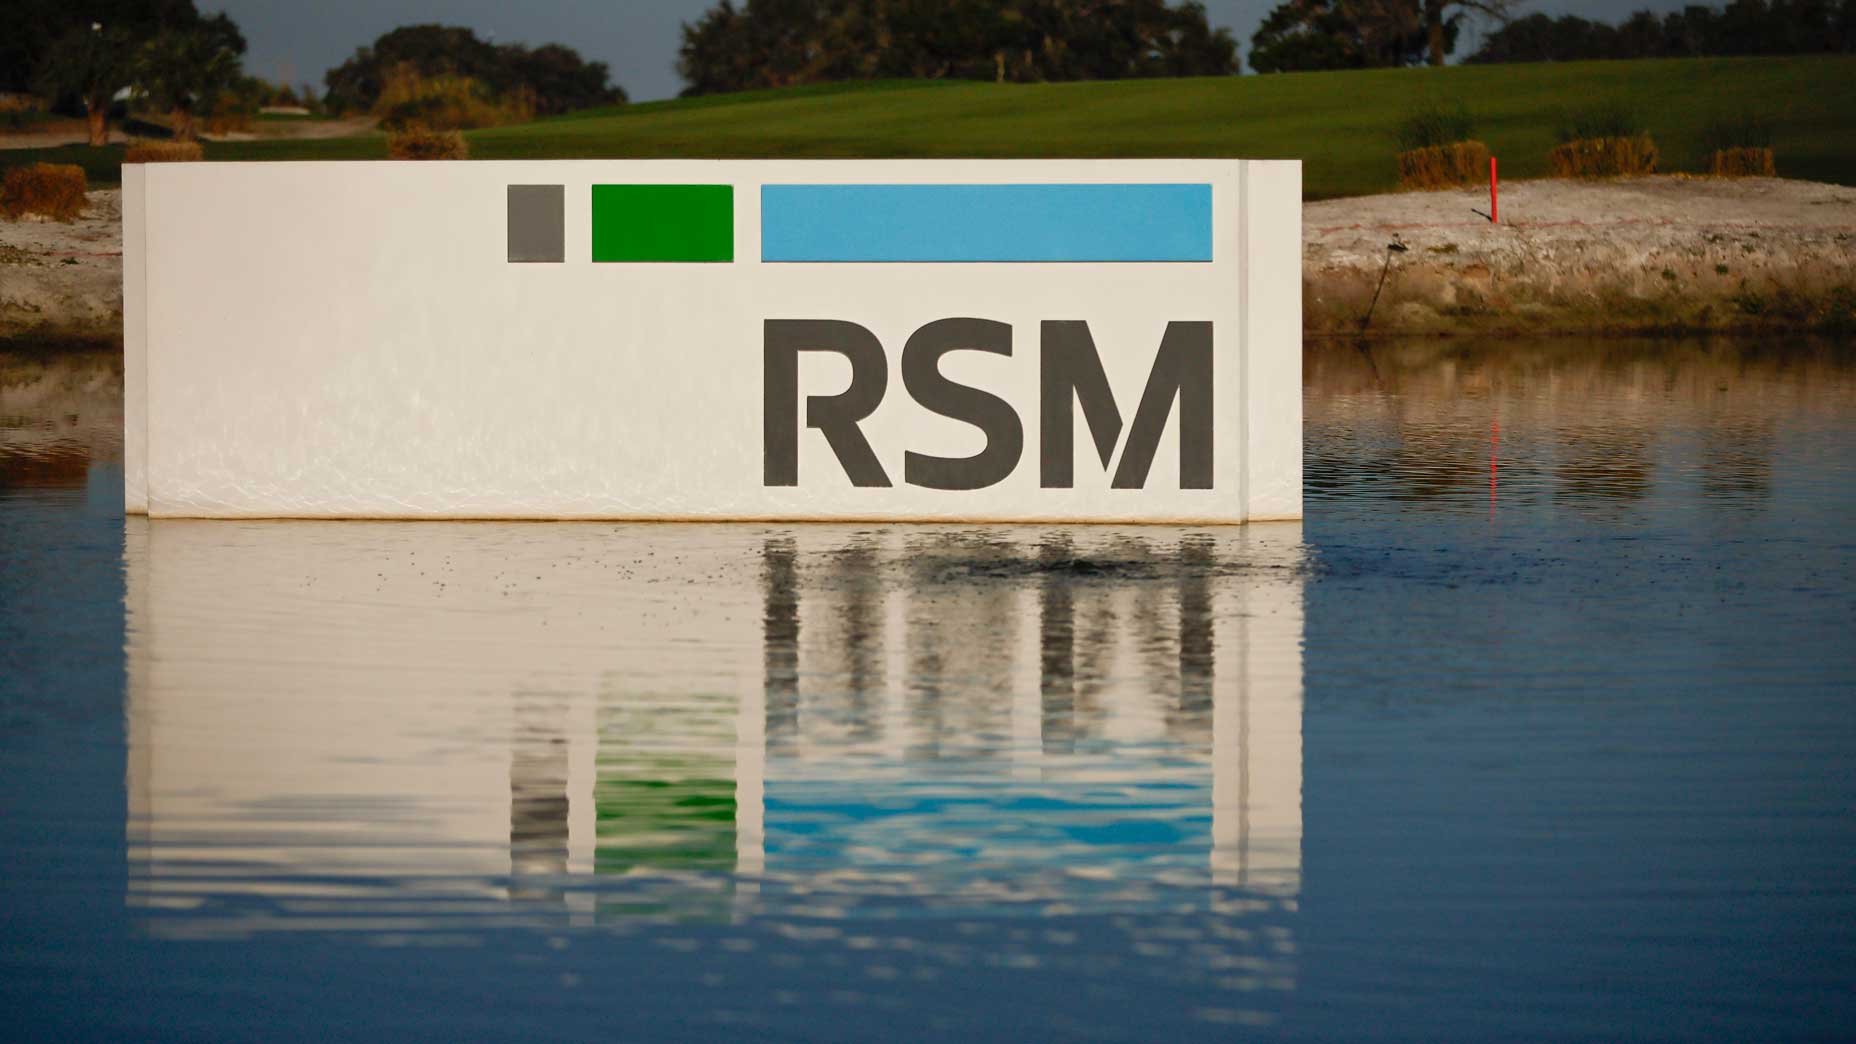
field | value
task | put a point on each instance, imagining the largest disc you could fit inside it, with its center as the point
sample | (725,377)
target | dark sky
(297,41)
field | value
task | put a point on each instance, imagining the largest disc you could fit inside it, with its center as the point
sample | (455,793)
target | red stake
(1494,211)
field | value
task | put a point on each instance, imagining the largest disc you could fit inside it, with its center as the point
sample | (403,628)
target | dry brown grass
(55,190)
(1743,163)
(418,143)
(164,152)
(1605,157)
(227,122)
(1444,166)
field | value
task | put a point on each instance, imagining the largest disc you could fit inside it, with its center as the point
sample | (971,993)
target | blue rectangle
(967,223)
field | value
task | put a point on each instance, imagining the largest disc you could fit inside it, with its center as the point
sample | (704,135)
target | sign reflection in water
(402,727)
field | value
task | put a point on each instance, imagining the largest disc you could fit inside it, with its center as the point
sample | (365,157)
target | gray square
(538,223)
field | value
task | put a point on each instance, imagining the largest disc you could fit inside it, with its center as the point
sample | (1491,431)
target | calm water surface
(1541,726)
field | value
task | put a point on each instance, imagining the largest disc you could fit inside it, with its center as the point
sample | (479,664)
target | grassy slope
(1339,123)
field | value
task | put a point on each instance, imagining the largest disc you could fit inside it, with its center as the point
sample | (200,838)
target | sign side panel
(161,309)
(1272,273)
(134,341)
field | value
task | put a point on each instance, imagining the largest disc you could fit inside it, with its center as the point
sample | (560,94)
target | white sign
(835,340)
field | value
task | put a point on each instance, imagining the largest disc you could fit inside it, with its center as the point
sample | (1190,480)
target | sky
(297,42)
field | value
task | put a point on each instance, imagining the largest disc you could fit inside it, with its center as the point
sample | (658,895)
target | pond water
(1542,725)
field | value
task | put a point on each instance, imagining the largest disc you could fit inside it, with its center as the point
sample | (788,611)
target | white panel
(348,340)
(134,344)
(1272,227)
(1257,722)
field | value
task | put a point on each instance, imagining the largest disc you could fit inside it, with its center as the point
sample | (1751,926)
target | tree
(29,29)
(778,43)
(1543,38)
(561,80)
(1353,34)
(713,56)
(91,63)
(1442,17)
(554,76)
(181,70)
(1304,35)
(1742,27)
(428,50)
(1191,47)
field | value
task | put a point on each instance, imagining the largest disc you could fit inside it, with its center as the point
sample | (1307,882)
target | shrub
(1433,125)
(1738,145)
(1742,163)
(229,121)
(55,190)
(143,151)
(420,143)
(1603,119)
(1743,130)
(1608,157)
(235,106)
(1444,166)
(445,103)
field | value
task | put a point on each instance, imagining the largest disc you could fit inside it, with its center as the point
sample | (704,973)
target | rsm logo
(1070,375)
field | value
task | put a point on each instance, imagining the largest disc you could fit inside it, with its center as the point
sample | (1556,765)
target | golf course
(1660,254)
(1341,124)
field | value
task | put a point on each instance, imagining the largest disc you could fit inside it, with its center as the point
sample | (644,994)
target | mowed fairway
(1340,123)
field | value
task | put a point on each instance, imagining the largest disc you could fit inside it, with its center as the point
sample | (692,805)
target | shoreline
(61,283)
(1662,256)
(1647,257)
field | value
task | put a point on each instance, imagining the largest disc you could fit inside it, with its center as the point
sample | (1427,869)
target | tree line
(1742,27)
(81,55)
(782,43)
(1306,35)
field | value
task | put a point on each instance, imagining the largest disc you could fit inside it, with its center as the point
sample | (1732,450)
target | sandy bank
(1646,255)
(62,282)
(53,133)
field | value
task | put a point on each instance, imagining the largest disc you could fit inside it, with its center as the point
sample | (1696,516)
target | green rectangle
(663,223)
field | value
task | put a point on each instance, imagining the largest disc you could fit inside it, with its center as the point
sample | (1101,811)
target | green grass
(101,166)
(1342,124)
